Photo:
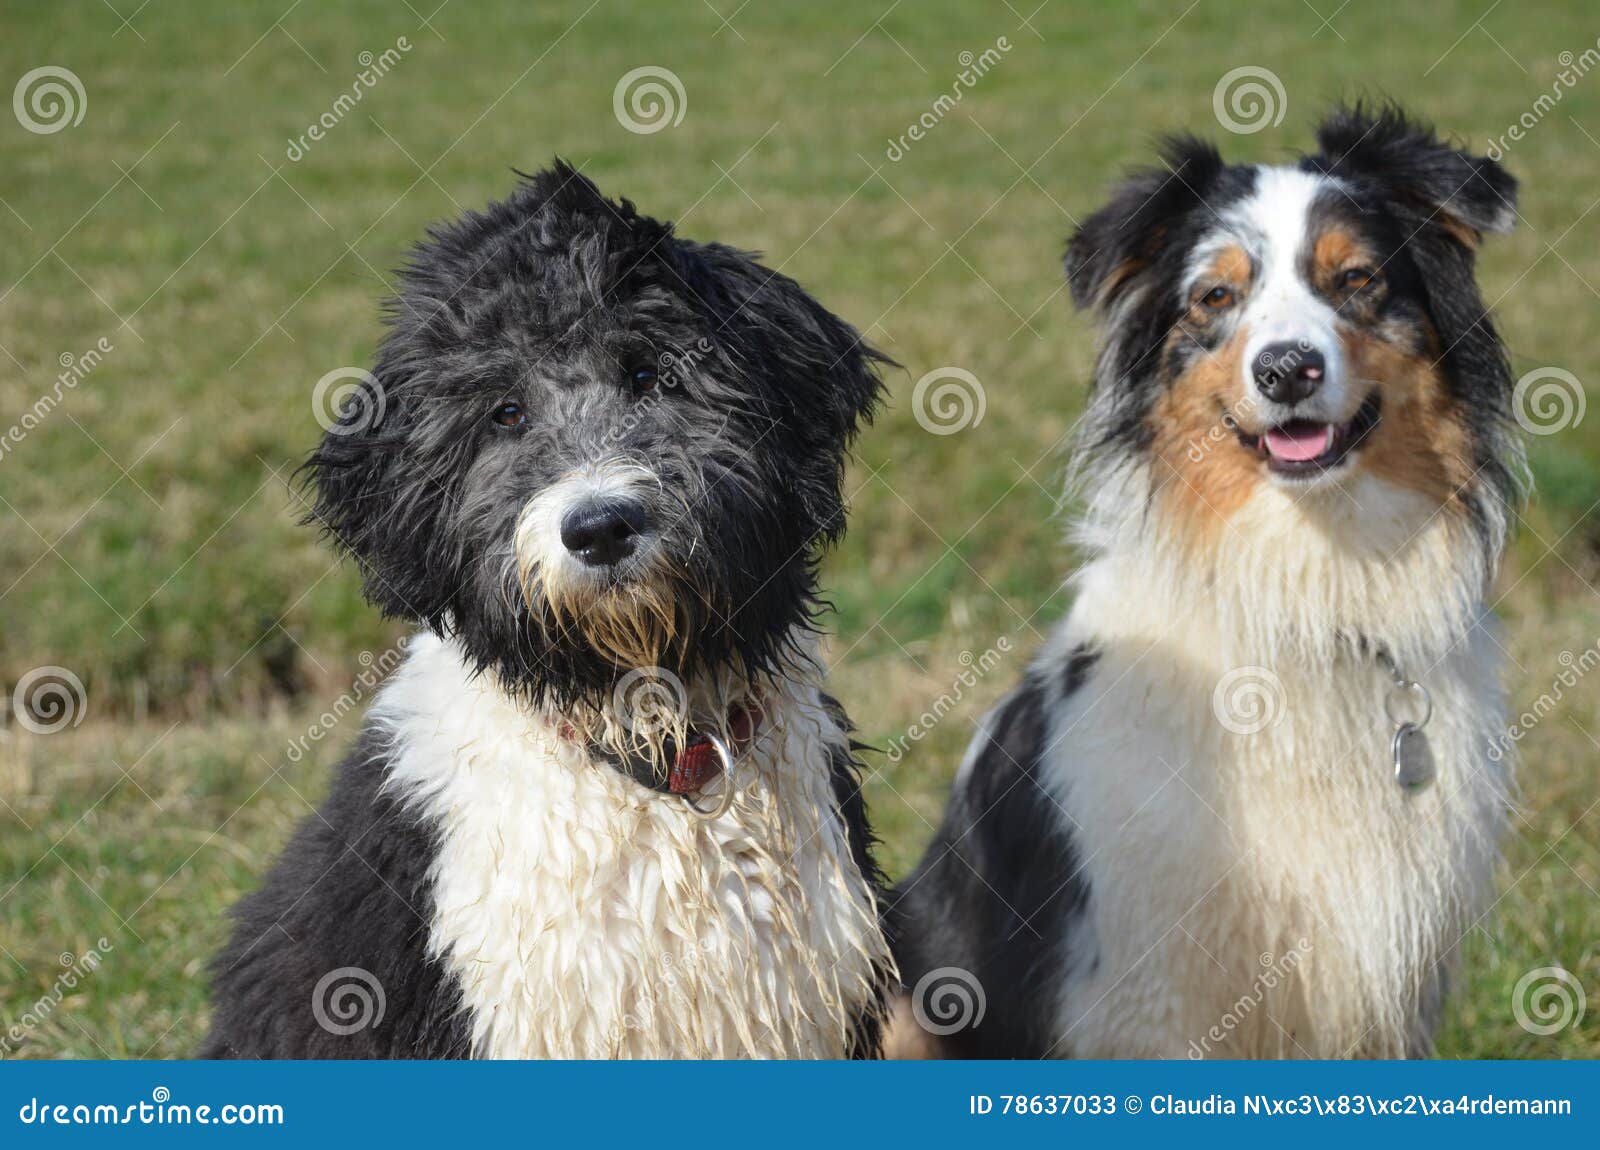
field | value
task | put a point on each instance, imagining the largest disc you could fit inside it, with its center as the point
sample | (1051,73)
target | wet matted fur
(482,872)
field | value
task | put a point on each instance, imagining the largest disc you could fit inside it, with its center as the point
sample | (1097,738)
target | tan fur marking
(1336,250)
(1231,266)
(1120,275)
(1420,444)
(1464,234)
(1199,460)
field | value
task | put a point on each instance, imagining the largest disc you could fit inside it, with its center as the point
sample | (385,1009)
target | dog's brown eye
(642,379)
(1218,297)
(1354,279)
(510,415)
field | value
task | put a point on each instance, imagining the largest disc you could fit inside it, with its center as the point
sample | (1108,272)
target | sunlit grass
(148,531)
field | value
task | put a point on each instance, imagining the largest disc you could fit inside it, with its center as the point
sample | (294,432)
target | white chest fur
(1260,885)
(585,917)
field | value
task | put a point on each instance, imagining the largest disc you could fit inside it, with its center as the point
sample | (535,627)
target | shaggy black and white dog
(1217,817)
(603,808)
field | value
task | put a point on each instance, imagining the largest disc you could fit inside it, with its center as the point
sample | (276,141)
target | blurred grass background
(148,534)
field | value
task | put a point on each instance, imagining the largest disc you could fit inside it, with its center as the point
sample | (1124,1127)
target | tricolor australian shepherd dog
(603,808)
(1242,802)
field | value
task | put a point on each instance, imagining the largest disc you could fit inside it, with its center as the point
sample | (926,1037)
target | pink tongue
(1300,442)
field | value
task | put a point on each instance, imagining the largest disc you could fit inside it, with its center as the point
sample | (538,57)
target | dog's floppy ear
(1109,253)
(828,372)
(380,511)
(1382,147)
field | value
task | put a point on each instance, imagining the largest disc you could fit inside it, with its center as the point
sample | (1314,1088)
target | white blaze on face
(538,540)
(1275,225)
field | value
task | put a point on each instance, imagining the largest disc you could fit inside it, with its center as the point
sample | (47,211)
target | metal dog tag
(1413,758)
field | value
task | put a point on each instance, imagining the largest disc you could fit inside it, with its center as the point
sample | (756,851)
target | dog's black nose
(1289,372)
(604,532)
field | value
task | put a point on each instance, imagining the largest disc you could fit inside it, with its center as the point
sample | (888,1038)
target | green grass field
(148,534)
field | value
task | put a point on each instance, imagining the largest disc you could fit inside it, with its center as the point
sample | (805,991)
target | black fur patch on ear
(762,312)
(1442,201)
(820,370)
(1121,241)
(1382,146)
(364,503)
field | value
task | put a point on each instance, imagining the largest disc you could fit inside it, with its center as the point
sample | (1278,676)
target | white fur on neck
(586,917)
(1212,854)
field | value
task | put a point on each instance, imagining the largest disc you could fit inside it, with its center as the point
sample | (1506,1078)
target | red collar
(696,763)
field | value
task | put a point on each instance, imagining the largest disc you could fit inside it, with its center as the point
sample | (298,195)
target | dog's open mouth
(1305,446)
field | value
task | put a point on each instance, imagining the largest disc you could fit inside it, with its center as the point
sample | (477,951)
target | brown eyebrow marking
(1230,265)
(1337,248)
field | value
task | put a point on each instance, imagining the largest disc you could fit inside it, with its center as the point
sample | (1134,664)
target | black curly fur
(549,299)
